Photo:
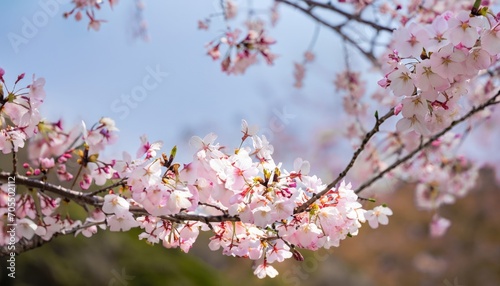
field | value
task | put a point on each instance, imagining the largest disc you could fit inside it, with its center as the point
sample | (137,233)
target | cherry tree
(436,66)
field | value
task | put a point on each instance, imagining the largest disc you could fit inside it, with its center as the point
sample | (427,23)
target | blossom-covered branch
(355,156)
(253,206)
(492,101)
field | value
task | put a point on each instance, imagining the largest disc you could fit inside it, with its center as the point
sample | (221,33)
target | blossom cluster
(441,178)
(88,7)
(247,185)
(241,49)
(299,72)
(247,200)
(19,113)
(431,65)
(241,53)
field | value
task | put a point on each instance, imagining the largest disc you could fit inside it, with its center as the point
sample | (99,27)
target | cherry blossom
(264,270)
(114,204)
(121,222)
(463,28)
(401,81)
(379,215)
(409,40)
(438,226)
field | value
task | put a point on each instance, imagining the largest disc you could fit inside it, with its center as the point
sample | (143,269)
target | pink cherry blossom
(410,40)
(414,105)
(463,29)
(439,226)
(264,270)
(122,221)
(490,41)
(438,33)
(278,252)
(26,228)
(114,204)
(427,77)
(379,215)
(448,62)
(401,81)
(414,123)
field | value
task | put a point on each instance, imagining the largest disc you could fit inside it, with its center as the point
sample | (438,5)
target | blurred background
(90,73)
(401,253)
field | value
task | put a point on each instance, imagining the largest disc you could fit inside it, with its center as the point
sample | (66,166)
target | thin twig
(114,185)
(336,28)
(214,206)
(183,217)
(355,17)
(14,161)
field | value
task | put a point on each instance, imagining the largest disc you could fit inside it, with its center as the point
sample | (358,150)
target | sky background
(87,71)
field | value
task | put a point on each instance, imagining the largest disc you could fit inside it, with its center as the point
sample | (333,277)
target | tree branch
(491,101)
(59,190)
(355,17)
(22,245)
(354,157)
(97,201)
(336,28)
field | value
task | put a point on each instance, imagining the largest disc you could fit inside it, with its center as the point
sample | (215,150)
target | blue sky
(88,72)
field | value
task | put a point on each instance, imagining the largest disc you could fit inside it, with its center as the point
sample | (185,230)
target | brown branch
(25,244)
(336,28)
(214,206)
(491,101)
(59,190)
(181,217)
(355,156)
(117,184)
(355,17)
(22,245)
(97,201)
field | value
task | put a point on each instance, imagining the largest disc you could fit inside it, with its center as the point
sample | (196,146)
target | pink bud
(309,56)
(78,16)
(37,172)
(225,64)
(398,108)
(19,77)
(297,255)
(47,163)
(436,143)
(439,226)
(26,165)
(383,82)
